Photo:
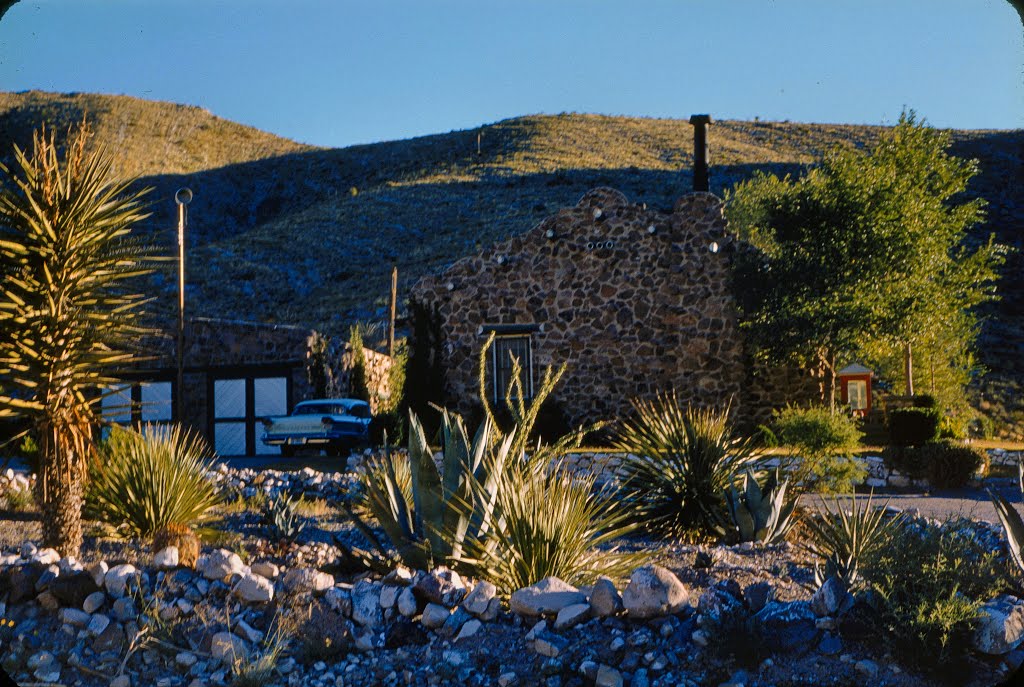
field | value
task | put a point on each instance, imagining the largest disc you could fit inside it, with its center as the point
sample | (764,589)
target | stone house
(636,301)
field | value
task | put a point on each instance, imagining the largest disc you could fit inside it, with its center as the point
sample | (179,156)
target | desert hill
(286,232)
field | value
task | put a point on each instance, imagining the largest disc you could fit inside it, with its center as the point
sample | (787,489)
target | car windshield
(320,409)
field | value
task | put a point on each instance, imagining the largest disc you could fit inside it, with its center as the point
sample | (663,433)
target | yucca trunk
(64,452)
(60,502)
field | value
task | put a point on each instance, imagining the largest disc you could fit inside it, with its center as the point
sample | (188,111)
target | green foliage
(865,254)
(19,500)
(425,384)
(761,514)
(824,442)
(388,421)
(552,523)
(281,520)
(952,464)
(67,318)
(319,370)
(357,384)
(677,465)
(913,426)
(150,479)
(932,581)
(846,539)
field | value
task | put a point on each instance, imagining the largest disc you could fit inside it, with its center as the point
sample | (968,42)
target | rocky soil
(257,612)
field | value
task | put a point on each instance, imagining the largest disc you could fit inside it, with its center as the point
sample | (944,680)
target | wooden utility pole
(908,365)
(394,302)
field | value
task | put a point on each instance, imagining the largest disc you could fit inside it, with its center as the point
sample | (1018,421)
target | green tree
(67,318)
(865,252)
(357,384)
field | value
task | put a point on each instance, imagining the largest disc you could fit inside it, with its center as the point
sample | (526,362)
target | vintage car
(335,424)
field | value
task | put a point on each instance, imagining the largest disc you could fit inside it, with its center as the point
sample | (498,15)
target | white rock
(339,599)
(254,588)
(571,616)
(227,647)
(121,681)
(45,556)
(389,596)
(1000,625)
(97,625)
(539,628)
(94,602)
(247,631)
(69,565)
(302,580)
(470,628)
(407,604)
(654,591)
(185,660)
(219,564)
(366,609)
(266,569)
(98,571)
(550,595)
(166,558)
(608,677)
(605,599)
(74,617)
(477,600)
(434,616)
(116,579)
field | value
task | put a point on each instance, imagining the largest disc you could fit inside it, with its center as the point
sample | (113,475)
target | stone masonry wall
(633,299)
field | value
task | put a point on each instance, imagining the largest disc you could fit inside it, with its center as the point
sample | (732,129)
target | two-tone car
(336,425)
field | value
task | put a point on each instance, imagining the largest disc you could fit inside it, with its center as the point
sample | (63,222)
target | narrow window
(505,349)
(857,393)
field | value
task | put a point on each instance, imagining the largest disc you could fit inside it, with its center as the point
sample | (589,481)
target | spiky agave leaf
(1013,526)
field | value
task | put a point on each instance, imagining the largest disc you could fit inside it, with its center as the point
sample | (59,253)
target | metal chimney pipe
(700,152)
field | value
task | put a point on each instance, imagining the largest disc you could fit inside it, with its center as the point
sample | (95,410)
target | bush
(951,464)
(677,465)
(824,442)
(913,426)
(932,581)
(149,480)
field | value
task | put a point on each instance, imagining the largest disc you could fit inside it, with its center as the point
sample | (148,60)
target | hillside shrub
(932,581)
(145,481)
(913,426)
(677,466)
(824,443)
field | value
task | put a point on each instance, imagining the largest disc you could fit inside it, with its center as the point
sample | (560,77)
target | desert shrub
(550,523)
(677,466)
(757,513)
(258,668)
(28,450)
(913,426)
(19,500)
(824,443)
(150,479)
(932,581)
(951,464)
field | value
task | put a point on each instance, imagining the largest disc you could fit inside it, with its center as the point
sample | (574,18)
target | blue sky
(334,72)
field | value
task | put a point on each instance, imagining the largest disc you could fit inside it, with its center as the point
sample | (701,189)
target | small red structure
(855,388)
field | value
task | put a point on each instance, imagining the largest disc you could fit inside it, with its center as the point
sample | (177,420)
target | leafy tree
(865,252)
(67,319)
(357,384)
(425,374)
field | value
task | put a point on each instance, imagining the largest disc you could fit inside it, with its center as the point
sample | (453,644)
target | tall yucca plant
(151,479)
(678,465)
(66,317)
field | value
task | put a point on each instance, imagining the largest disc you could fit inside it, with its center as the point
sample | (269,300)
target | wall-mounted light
(451,286)
(651,229)
(550,233)
(713,247)
(597,213)
(502,259)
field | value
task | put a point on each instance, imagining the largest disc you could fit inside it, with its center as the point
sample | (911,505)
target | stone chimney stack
(700,151)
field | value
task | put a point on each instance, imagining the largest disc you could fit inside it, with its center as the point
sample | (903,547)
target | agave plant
(67,318)
(151,479)
(846,539)
(427,511)
(1012,524)
(678,463)
(281,519)
(760,514)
